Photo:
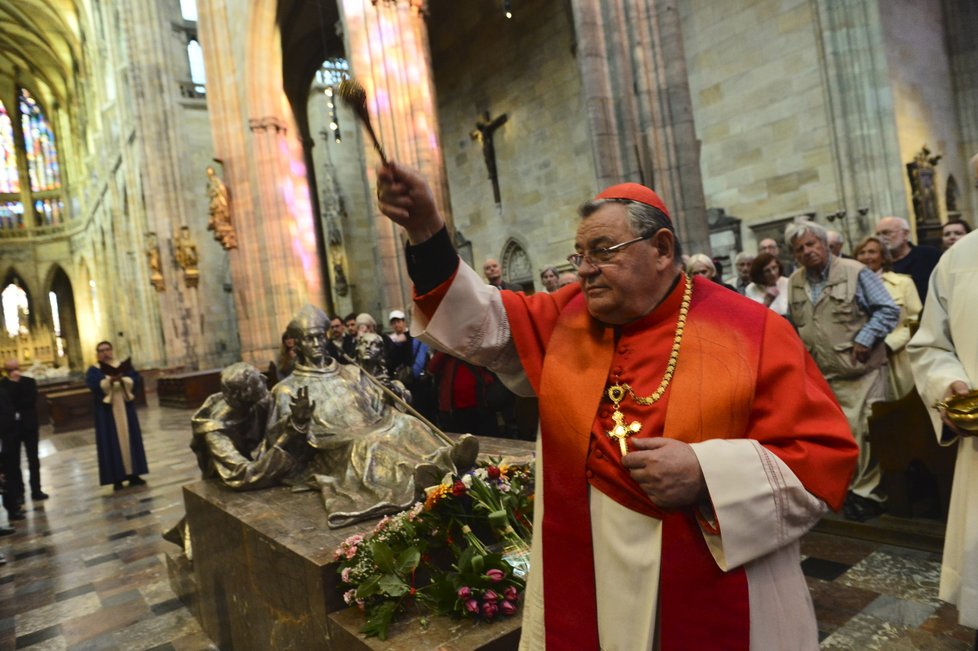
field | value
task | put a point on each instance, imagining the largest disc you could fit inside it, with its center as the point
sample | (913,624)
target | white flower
(467,480)
(349,596)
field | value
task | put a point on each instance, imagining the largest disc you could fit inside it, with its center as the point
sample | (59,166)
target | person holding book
(117,435)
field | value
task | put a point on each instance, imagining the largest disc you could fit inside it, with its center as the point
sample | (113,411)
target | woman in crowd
(874,255)
(954,230)
(700,264)
(767,285)
(286,357)
(550,279)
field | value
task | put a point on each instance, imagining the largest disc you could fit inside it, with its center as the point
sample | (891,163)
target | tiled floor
(86,569)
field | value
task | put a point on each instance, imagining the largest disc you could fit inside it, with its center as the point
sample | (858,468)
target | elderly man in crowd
(770,245)
(944,359)
(908,258)
(494,274)
(742,264)
(843,314)
(665,515)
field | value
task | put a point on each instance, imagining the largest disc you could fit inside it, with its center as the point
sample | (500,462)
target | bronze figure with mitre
(370,459)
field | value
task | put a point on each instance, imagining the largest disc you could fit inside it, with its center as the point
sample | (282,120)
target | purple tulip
(495,575)
(507,608)
(464,592)
(511,594)
(472,606)
(490,595)
(489,609)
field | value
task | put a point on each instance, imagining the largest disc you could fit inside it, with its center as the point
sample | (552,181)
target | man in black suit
(23,399)
(6,432)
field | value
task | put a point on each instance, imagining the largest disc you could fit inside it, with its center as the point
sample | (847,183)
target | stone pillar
(865,143)
(275,269)
(961,21)
(639,107)
(387,47)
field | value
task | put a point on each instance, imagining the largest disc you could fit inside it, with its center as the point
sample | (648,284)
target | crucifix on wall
(483,132)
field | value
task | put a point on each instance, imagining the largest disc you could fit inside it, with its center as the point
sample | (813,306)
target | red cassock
(742,373)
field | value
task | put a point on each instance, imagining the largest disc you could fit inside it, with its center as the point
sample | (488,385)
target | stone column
(275,269)
(865,143)
(639,106)
(387,47)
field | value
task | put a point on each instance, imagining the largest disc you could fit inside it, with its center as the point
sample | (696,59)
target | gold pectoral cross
(621,431)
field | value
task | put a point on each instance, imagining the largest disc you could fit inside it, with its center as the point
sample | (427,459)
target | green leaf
(383,556)
(379,620)
(368,587)
(392,585)
(465,560)
(408,560)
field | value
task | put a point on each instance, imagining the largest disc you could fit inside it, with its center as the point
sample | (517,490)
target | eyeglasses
(596,257)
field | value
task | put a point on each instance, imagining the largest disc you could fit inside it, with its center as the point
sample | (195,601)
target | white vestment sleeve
(933,358)
(471,323)
(760,505)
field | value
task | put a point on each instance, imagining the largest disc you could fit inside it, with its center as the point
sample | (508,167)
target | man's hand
(956,388)
(860,353)
(404,196)
(667,470)
(301,408)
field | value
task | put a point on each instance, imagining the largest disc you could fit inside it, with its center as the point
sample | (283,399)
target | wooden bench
(188,390)
(71,409)
(917,472)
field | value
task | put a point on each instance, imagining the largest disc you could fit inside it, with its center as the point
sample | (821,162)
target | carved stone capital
(269,122)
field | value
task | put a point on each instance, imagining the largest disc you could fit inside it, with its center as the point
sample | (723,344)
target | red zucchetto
(635,192)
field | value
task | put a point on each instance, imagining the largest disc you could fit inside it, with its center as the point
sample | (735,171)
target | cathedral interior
(180,178)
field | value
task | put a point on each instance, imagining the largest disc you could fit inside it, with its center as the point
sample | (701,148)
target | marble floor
(86,569)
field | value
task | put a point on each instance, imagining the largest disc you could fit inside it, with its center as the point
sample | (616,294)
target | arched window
(188,10)
(9,176)
(33,181)
(42,155)
(517,269)
(15,310)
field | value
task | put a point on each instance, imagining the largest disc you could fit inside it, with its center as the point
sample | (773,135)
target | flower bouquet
(463,552)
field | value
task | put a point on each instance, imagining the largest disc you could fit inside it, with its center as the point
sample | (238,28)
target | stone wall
(525,68)
(759,107)
(923,94)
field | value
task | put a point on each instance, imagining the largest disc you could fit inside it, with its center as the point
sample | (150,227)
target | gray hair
(644,220)
(744,256)
(797,229)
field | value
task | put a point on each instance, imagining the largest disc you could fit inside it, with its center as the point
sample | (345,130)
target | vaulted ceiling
(42,40)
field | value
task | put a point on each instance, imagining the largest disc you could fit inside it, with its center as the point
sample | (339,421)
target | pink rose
(464,592)
(490,595)
(489,609)
(495,575)
(349,597)
(472,606)
(345,574)
(511,594)
(507,608)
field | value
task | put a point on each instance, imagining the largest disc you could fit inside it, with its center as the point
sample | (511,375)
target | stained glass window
(11,215)
(42,155)
(9,179)
(197,75)
(48,212)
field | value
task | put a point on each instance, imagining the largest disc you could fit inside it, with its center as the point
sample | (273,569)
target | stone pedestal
(263,575)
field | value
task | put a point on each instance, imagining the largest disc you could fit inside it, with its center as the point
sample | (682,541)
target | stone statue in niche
(923,184)
(185,252)
(155,265)
(219,211)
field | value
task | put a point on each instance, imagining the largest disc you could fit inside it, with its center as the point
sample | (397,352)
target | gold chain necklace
(617,392)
